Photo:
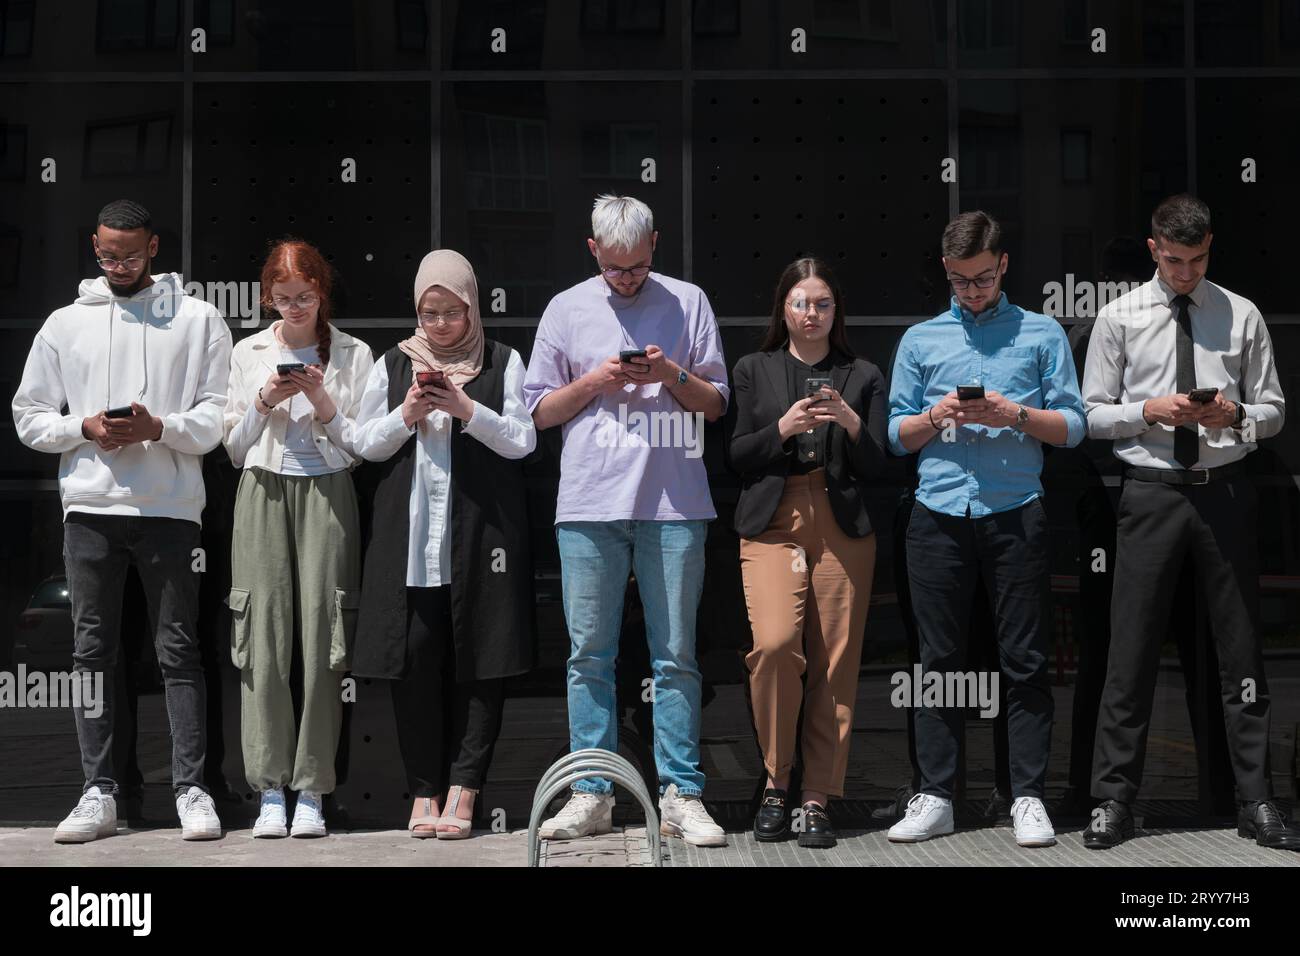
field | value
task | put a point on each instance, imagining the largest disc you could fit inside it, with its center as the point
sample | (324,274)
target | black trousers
(947,559)
(446,729)
(1158,526)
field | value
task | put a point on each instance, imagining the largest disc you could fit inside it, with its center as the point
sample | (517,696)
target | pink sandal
(461,827)
(427,820)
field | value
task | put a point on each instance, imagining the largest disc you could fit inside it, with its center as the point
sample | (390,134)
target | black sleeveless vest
(493,622)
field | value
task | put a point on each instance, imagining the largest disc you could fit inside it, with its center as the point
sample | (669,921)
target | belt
(1186,476)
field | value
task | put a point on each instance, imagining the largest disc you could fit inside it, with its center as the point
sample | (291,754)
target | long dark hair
(777,334)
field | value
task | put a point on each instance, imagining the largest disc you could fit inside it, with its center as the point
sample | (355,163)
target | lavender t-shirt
(635,453)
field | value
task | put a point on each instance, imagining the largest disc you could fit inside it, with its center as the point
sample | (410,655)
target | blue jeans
(668,559)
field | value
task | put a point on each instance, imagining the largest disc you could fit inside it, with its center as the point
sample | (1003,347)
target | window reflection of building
(126,25)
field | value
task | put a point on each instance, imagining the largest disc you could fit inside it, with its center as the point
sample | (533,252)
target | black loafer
(772,822)
(817,830)
(1266,824)
(1111,825)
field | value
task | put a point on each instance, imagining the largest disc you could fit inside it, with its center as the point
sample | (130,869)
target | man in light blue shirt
(975,392)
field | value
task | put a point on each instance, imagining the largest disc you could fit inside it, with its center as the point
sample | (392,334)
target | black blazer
(755,451)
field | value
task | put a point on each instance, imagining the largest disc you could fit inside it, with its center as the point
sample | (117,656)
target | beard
(126,291)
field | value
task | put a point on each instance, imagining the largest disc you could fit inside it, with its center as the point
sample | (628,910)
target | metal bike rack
(582,765)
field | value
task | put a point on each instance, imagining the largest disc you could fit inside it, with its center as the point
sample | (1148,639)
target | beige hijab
(463,359)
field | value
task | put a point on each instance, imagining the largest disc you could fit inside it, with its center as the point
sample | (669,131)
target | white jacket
(255,440)
(160,347)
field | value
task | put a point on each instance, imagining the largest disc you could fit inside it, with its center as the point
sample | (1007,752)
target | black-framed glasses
(636,272)
(961,283)
(109,264)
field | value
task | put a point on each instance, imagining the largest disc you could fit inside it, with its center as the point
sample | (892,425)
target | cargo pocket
(240,628)
(343,629)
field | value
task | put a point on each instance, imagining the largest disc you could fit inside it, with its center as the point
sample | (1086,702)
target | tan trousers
(807,585)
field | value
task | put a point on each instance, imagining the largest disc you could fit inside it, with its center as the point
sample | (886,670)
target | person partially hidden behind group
(295,548)
(446,603)
(809,429)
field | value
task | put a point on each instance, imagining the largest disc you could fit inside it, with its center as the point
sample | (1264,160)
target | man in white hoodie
(128,385)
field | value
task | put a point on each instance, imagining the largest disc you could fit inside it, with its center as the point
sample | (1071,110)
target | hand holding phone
(627,355)
(969,393)
(813,386)
(431,379)
(284,368)
(1203,395)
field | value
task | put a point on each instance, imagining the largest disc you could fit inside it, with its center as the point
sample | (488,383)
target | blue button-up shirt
(1023,355)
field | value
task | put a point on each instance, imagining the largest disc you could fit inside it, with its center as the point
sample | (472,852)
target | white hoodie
(160,347)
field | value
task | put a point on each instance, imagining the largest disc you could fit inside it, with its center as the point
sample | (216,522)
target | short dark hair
(125,214)
(1183,219)
(971,233)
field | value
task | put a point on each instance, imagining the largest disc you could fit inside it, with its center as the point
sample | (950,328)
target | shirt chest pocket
(1017,375)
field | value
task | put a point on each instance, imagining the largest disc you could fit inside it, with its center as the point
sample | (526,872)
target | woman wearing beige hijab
(447,591)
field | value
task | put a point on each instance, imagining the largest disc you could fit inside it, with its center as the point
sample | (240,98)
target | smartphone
(122,411)
(814,385)
(436,378)
(628,355)
(966,393)
(1203,395)
(284,368)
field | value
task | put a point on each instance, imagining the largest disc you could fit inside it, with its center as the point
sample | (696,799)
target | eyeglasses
(823,306)
(304,301)
(455,315)
(961,283)
(111,265)
(635,271)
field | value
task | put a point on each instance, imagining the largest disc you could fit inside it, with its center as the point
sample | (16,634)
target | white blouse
(380,433)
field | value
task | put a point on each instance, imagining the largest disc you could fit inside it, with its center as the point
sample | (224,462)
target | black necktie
(1186,437)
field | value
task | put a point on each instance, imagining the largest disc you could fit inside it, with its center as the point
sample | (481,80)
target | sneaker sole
(200,834)
(921,837)
(603,826)
(1036,841)
(308,833)
(673,830)
(76,836)
(270,833)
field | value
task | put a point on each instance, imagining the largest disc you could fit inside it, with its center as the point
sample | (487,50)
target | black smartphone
(627,355)
(967,393)
(284,368)
(122,411)
(814,385)
(1203,395)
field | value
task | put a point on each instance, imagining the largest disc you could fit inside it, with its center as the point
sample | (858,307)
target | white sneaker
(586,814)
(308,818)
(199,820)
(926,816)
(1033,826)
(270,818)
(94,816)
(684,816)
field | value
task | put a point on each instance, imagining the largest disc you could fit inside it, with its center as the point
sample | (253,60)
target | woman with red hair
(290,424)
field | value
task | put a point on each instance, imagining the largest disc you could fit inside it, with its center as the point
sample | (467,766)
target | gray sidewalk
(988,846)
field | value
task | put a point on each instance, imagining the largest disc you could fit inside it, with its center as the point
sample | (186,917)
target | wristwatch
(682,377)
(1022,418)
(1240,418)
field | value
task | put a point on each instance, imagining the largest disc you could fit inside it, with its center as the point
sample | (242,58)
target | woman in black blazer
(809,430)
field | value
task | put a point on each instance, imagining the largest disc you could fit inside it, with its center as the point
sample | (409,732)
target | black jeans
(446,729)
(1159,525)
(97,550)
(1006,553)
